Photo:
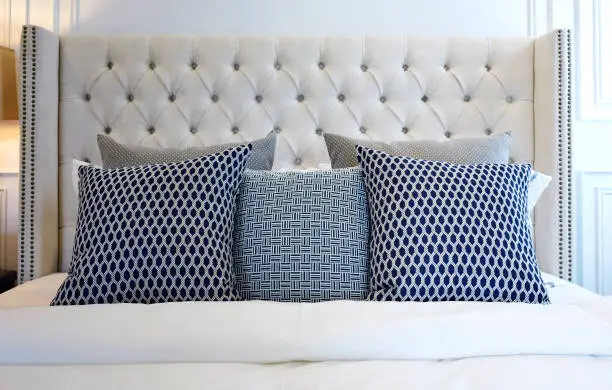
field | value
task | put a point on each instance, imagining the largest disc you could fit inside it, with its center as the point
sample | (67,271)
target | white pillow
(75,174)
(537,184)
(321,167)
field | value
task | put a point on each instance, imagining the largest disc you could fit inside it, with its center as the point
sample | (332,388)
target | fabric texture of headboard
(173,91)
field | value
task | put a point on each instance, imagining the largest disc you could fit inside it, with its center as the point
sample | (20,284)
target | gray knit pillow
(116,155)
(464,151)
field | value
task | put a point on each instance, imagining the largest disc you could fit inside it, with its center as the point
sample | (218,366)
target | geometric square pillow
(302,236)
(117,155)
(155,233)
(446,232)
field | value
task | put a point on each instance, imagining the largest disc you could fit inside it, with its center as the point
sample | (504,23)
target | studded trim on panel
(27,183)
(564,165)
(569,119)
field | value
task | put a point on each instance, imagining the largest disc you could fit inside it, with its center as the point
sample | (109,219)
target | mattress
(39,292)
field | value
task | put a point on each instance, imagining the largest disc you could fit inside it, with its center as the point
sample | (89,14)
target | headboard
(177,91)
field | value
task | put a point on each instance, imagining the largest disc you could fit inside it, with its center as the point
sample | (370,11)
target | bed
(179,92)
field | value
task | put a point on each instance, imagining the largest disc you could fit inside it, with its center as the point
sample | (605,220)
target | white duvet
(335,345)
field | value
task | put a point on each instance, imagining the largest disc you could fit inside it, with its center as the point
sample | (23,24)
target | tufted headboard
(165,91)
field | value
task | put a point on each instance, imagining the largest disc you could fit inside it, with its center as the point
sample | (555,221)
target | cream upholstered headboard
(169,91)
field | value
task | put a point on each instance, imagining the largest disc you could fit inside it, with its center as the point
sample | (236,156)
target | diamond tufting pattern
(239,89)
(342,85)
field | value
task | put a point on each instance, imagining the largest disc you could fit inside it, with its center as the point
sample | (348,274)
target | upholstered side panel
(554,230)
(38,212)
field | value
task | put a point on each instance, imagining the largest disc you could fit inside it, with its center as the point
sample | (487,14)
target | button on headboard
(184,91)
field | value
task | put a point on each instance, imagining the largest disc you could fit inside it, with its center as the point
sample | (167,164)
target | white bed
(75,87)
(333,345)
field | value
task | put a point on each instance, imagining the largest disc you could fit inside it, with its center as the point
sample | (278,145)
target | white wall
(279,17)
(593,141)
(594,82)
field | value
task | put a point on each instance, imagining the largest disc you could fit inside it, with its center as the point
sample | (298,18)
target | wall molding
(61,16)
(598,47)
(538,20)
(58,16)
(67,15)
(603,223)
(3,227)
(595,230)
(546,15)
(596,95)
(16,17)
(5,19)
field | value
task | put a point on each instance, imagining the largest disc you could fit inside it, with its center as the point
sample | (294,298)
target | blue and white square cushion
(302,236)
(445,232)
(155,233)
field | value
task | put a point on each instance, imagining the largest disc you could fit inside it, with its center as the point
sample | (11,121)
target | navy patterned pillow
(302,236)
(155,233)
(445,232)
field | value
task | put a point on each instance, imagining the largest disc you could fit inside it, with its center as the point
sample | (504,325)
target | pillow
(116,155)
(155,233)
(76,164)
(445,232)
(493,149)
(320,167)
(538,182)
(302,236)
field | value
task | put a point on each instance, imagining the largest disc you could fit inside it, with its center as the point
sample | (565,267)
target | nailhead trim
(22,164)
(26,247)
(560,171)
(564,153)
(569,155)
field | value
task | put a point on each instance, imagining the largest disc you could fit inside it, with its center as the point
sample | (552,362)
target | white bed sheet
(41,291)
